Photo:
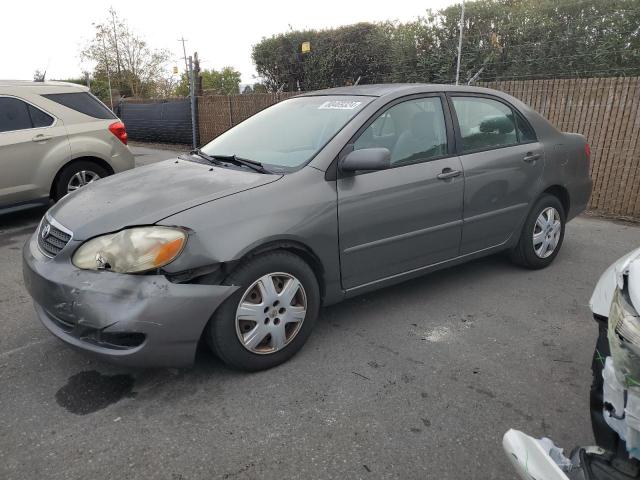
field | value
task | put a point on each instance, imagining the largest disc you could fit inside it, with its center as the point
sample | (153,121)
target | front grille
(52,239)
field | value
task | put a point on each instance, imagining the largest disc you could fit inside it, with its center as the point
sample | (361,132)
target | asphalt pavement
(416,381)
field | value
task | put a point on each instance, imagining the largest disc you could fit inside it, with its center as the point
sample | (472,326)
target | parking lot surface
(420,380)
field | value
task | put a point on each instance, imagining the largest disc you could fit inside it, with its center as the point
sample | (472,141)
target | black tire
(524,253)
(60,187)
(221,333)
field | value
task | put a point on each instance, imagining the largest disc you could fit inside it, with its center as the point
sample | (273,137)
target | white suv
(55,137)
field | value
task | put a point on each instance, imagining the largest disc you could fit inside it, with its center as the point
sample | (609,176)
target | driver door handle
(448,173)
(41,137)
(531,157)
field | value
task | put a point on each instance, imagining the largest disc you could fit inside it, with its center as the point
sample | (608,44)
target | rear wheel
(271,315)
(77,175)
(542,234)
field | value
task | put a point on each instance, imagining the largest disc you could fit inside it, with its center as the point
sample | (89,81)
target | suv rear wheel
(77,175)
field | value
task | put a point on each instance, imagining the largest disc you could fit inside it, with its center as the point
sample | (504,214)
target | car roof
(49,86)
(383,89)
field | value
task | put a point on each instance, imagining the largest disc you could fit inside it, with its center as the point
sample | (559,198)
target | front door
(409,216)
(29,138)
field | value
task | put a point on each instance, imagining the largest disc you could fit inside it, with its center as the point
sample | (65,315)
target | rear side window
(525,132)
(484,123)
(39,119)
(18,115)
(82,102)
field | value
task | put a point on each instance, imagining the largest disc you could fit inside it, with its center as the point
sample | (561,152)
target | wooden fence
(218,113)
(605,110)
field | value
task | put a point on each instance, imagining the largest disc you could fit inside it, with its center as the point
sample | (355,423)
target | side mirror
(366,159)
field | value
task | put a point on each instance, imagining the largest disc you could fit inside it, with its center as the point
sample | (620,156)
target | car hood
(146,195)
(602,296)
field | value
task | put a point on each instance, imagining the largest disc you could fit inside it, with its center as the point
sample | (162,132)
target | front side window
(18,115)
(290,133)
(484,123)
(413,131)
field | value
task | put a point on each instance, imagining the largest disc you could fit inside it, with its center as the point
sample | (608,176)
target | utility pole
(460,43)
(184,51)
(115,42)
(106,63)
(196,75)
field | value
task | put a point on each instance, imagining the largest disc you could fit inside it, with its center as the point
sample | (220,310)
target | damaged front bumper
(621,372)
(135,320)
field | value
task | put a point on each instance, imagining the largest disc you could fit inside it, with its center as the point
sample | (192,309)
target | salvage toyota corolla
(318,198)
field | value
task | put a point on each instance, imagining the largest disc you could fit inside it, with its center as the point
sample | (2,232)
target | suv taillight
(587,150)
(117,128)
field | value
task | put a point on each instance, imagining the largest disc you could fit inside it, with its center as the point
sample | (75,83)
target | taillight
(587,150)
(117,128)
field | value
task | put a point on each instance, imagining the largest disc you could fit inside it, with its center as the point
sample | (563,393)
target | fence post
(194,106)
(230,112)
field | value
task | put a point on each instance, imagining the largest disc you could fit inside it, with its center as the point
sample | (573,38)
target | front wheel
(271,315)
(542,234)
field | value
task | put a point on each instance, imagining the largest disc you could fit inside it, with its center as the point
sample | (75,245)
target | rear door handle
(531,157)
(448,173)
(41,137)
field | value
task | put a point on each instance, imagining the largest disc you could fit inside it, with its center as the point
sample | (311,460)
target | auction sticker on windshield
(339,105)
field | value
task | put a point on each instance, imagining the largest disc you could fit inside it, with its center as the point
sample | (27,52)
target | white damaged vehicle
(615,392)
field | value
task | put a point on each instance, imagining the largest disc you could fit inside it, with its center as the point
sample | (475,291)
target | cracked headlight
(132,250)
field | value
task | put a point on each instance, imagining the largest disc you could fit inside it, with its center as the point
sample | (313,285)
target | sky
(39,35)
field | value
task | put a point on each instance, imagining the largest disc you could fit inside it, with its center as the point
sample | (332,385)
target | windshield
(290,133)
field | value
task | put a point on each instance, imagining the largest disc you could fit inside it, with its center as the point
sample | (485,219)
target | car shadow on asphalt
(22,218)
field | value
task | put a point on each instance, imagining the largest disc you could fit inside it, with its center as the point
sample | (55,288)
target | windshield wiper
(208,158)
(252,164)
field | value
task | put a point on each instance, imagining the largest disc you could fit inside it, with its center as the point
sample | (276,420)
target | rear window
(82,102)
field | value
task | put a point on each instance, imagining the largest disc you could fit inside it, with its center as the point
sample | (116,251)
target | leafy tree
(338,56)
(39,76)
(505,39)
(223,82)
(135,68)
(259,88)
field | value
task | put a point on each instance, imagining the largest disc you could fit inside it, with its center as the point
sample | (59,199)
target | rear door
(409,216)
(29,137)
(502,162)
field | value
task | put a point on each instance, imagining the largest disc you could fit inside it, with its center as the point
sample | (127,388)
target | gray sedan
(316,199)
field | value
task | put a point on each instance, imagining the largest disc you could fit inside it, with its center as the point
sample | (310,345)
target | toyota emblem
(45,231)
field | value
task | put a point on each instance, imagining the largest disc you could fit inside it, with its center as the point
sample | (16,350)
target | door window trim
(333,172)
(53,124)
(517,115)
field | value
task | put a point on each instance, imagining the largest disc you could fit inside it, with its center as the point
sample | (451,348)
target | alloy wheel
(80,179)
(270,313)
